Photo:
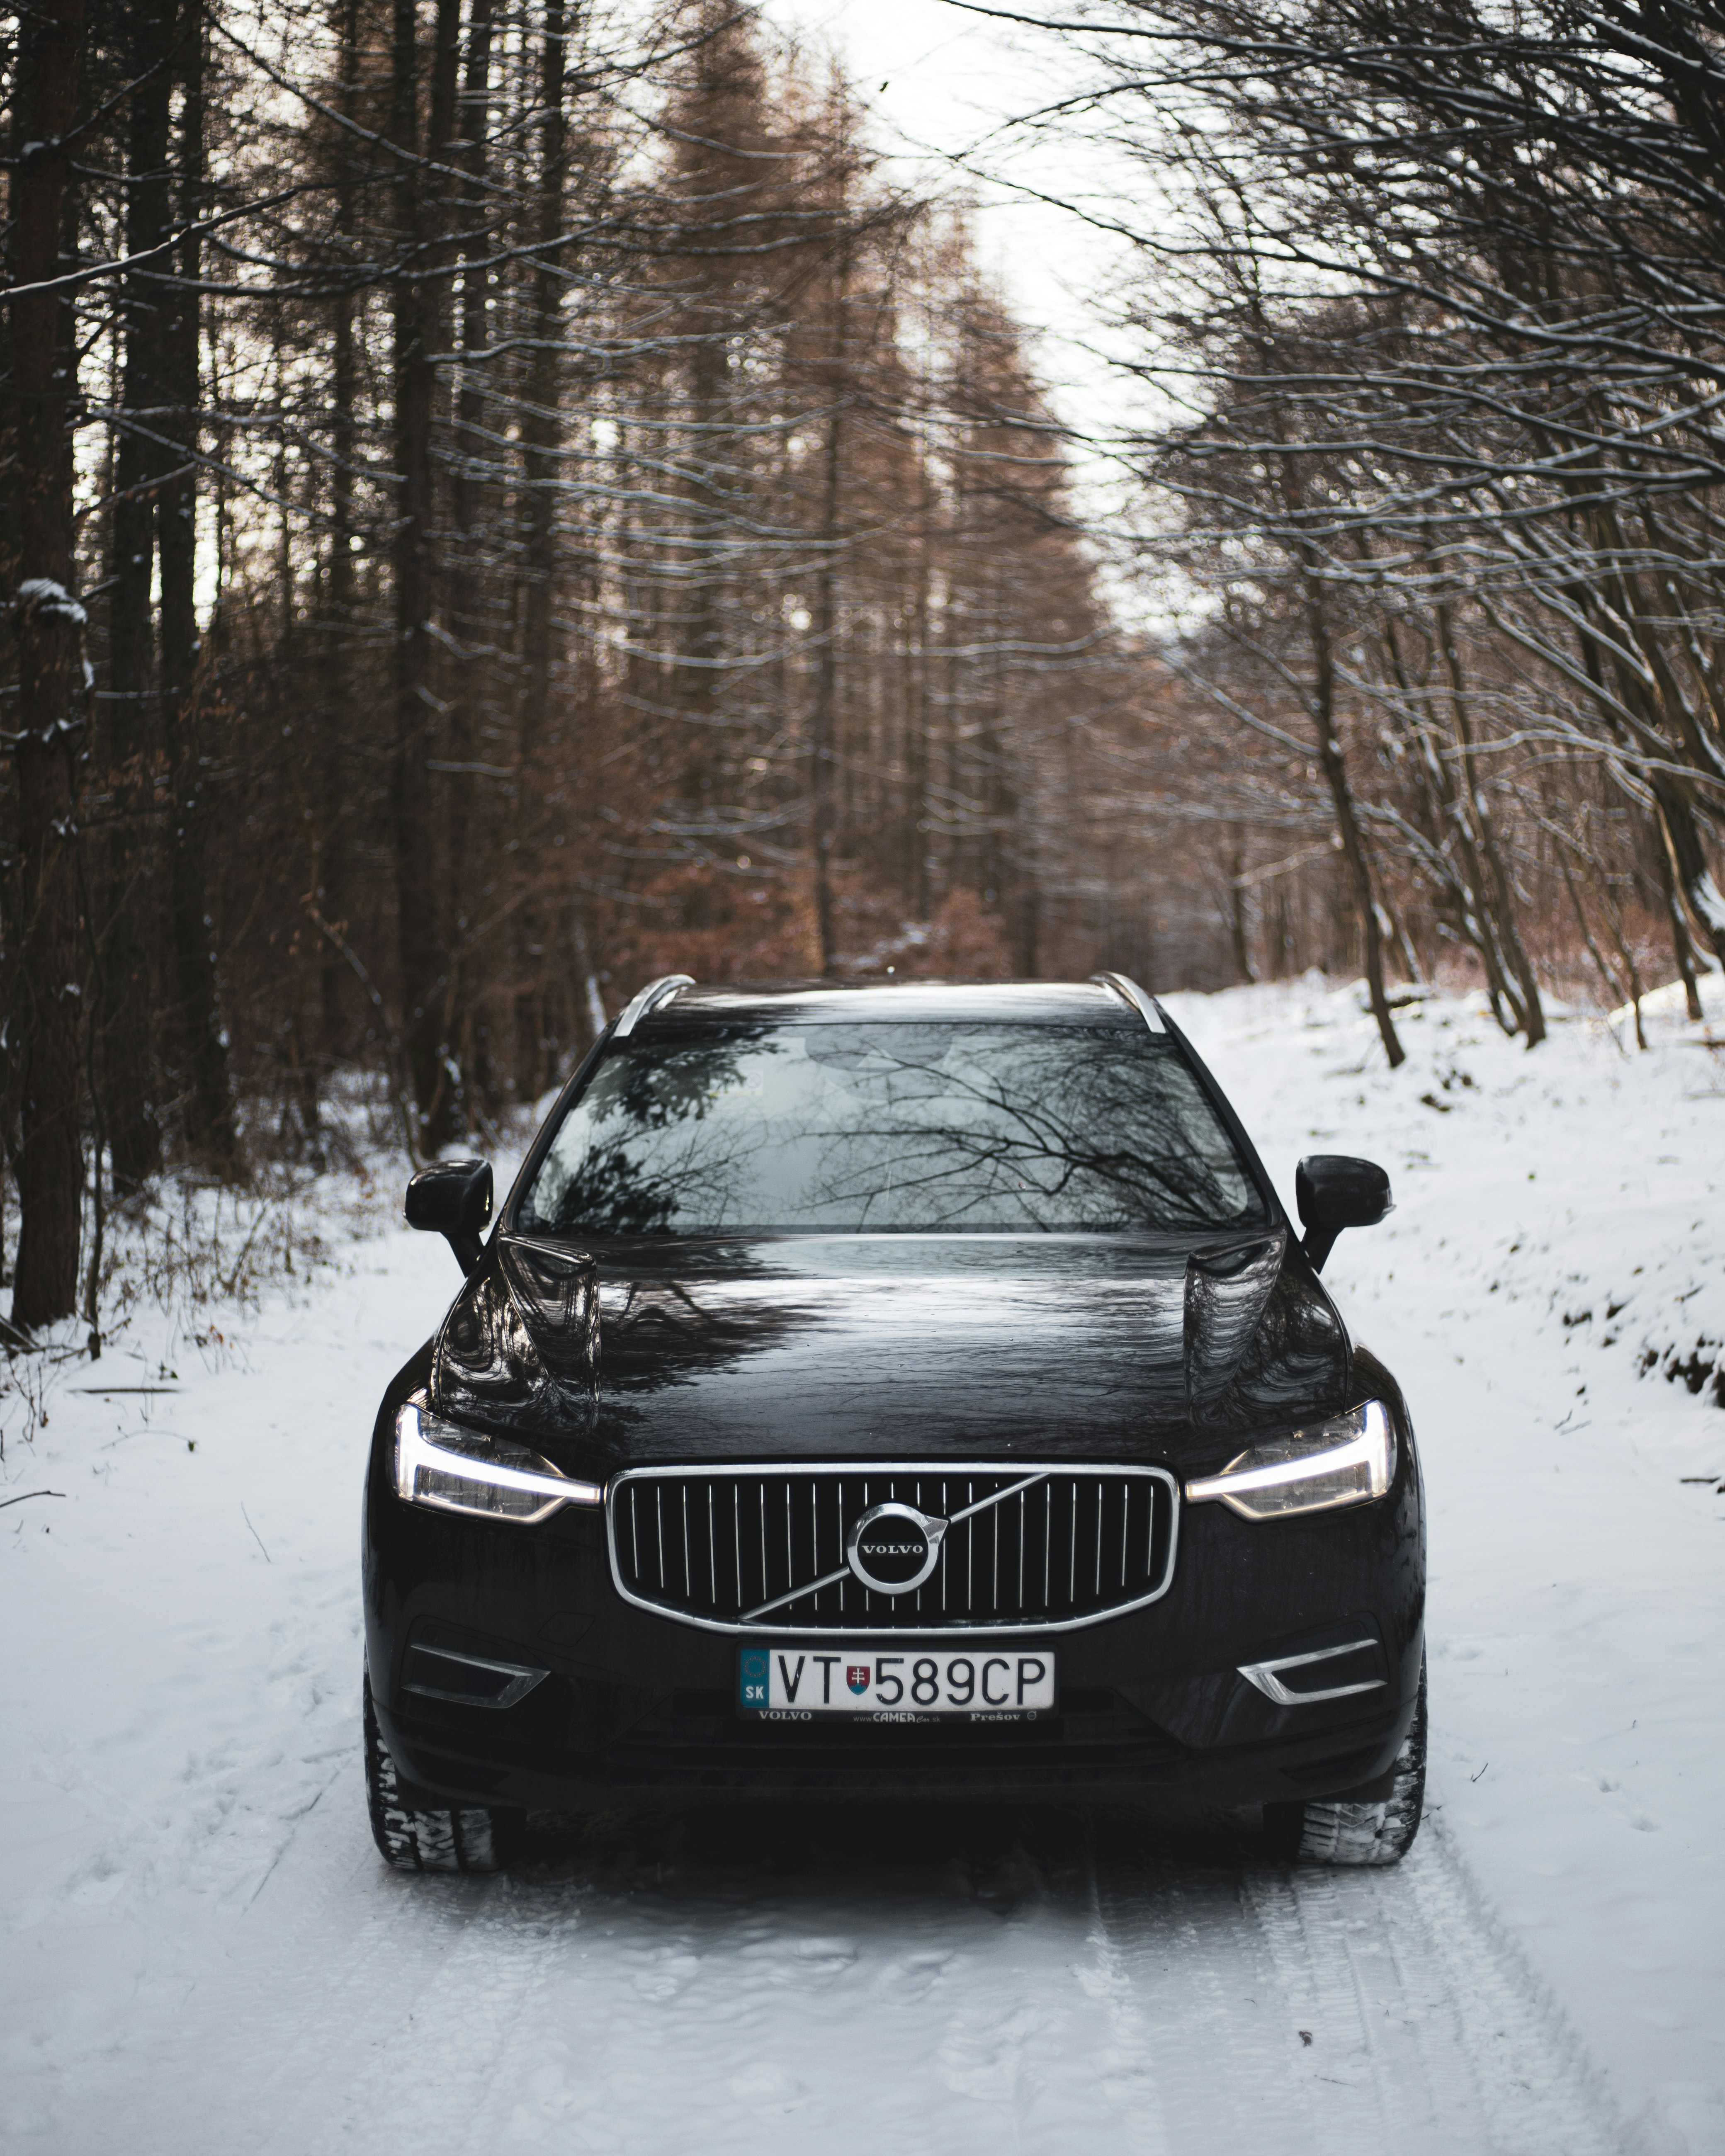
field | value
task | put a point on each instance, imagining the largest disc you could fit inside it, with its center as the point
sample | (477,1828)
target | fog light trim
(518,1680)
(1266,1675)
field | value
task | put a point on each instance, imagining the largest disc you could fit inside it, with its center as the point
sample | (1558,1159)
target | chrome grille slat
(995,1583)
(1022,1495)
(970,1550)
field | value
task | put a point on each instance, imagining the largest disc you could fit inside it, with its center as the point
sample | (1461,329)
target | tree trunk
(1690,870)
(463,576)
(542,441)
(327,881)
(417,316)
(917,666)
(1324,718)
(1354,850)
(1689,861)
(1613,987)
(1451,834)
(826,637)
(202,1046)
(50,624)
(129,1048)
(1238,936)
(1503,893)
(1682,950)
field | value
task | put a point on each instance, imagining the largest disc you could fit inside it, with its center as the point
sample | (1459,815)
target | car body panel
(831,1346)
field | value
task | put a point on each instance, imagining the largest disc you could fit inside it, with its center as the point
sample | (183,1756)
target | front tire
(1329,1830)
(465,1840)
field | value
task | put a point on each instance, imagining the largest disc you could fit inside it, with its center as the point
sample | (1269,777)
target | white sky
(940,83)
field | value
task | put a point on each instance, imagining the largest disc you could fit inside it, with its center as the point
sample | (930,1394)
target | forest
(506,501)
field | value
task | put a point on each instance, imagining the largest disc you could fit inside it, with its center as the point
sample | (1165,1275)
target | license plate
(894,1685)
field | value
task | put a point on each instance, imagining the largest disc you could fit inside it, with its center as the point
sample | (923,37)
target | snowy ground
(202,1952)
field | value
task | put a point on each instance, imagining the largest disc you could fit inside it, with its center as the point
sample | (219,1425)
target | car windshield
(755,1128)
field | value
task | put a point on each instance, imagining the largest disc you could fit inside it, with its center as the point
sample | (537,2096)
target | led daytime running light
(1347,1461)
(469,1456)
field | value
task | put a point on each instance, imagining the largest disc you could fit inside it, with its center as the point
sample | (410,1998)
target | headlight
(1347,1460)
(457,1470)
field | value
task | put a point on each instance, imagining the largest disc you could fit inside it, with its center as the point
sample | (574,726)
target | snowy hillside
(1559,1245)
(202,1952)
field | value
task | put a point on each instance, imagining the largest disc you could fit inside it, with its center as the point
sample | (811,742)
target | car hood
(871,1347)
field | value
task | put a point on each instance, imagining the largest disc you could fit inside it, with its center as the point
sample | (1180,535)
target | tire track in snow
(1200,1989)
(935,1983)
(774,1998)
(1428,2034)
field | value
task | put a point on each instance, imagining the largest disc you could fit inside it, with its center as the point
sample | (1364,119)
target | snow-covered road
(203,1953)
(933,1982)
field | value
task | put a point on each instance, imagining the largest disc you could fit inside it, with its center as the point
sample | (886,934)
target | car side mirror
(453,1198)
(1333,1191)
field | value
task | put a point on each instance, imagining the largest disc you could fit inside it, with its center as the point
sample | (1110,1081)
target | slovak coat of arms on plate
(857,1676)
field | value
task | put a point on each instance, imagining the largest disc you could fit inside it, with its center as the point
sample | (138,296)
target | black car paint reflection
(828,1346)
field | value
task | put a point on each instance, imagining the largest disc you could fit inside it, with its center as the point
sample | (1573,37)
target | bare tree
(44,988)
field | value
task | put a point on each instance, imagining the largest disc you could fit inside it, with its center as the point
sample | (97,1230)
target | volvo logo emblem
(893,1548)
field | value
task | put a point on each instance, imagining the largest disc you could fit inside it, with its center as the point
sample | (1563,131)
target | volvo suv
(893,1392)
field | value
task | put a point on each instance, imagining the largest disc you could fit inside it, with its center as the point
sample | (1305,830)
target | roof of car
(976,1002)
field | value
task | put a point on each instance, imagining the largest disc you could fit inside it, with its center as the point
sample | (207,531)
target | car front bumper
(637,1708)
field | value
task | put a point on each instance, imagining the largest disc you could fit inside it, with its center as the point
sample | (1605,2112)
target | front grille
(763,1549)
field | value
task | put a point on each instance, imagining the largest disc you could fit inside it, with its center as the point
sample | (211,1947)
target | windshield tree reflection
(894,1126)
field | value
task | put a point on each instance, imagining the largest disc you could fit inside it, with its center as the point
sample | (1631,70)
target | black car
(889,1391)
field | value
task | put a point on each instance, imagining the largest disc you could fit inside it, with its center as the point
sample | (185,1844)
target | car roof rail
(1144,1005)
(651,997)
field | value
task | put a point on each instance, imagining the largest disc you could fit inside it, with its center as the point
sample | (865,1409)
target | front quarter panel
(1250,1590)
